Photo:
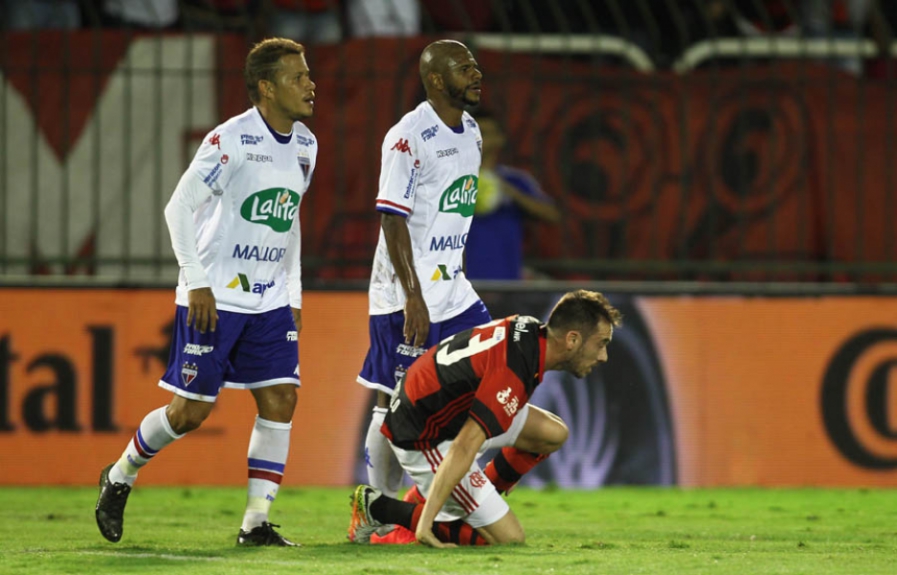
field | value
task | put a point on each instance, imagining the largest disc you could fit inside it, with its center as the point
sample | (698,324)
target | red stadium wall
(760,162)
(794,391)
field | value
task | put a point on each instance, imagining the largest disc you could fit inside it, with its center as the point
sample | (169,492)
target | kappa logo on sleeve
(402,147)
(215,140)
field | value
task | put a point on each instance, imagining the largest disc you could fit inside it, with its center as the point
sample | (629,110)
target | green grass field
(608,531)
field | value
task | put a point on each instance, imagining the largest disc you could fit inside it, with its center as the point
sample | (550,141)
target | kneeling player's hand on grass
(426,537)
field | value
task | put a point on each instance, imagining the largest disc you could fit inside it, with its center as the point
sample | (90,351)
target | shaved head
(437,57)
(451,78)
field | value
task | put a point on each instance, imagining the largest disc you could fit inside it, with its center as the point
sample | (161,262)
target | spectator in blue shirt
(506,196)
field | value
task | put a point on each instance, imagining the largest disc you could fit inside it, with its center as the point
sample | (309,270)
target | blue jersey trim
(392,211)
(281,138)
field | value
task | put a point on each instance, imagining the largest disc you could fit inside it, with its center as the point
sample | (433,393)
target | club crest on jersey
(189,372)
(400,374)
(304,162)
(460,197)
(477,480)
(274,207)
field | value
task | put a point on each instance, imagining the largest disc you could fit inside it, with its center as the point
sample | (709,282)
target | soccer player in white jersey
(234,224)
(428,185)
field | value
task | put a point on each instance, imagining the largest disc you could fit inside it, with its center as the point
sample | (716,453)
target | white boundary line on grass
(171,557)
(166,556)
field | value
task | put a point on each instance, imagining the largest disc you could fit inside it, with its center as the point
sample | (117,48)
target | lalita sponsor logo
(274,207)
(460,197)
(53,404)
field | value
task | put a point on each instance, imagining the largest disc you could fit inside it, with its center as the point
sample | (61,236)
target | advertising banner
(78,372)
(698,391)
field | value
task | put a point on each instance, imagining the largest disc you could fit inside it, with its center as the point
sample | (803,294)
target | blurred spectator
(494,248)
(153,14)
(766,17)
(306,21)
(32,14)
(846,20)
(882,23)
(383,17)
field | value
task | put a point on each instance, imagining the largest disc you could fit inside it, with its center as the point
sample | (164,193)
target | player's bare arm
(398,243)
(452,469)
(297,318)
(202,313)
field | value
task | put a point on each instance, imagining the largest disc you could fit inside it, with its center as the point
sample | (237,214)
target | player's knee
(183,419)
(286,399)
(277,403)
(557,436)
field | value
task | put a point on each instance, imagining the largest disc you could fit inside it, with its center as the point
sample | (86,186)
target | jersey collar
(281,138)
(455,129)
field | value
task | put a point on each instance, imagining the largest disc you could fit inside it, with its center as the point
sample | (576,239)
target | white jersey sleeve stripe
(392,207)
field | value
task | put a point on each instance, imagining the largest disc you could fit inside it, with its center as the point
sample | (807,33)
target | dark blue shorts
(246,351)
(389,357)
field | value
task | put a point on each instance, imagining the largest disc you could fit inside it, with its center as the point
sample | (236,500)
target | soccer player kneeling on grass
(468,394)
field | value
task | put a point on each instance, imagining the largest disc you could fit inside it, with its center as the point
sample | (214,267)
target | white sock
(269,446)
(153,434)
(384,471)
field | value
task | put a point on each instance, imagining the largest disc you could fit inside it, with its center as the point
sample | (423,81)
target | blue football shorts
(246,351)
(389,357)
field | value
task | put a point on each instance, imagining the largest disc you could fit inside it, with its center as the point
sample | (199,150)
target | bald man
(428,188)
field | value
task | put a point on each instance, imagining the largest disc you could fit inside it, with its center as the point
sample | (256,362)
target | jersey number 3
(474,346)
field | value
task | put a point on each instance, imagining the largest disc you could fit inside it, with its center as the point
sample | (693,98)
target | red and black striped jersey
(486,373)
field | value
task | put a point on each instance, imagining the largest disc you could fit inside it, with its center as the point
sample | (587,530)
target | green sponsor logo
(240,280)
(275,208)
(460,197)
(441,273)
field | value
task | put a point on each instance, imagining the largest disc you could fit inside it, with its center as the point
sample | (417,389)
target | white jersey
(245,185)
(429,174)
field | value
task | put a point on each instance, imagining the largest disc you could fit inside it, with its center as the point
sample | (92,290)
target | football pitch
(606,531)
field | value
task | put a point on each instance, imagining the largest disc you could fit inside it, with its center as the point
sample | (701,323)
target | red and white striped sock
(269,447)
